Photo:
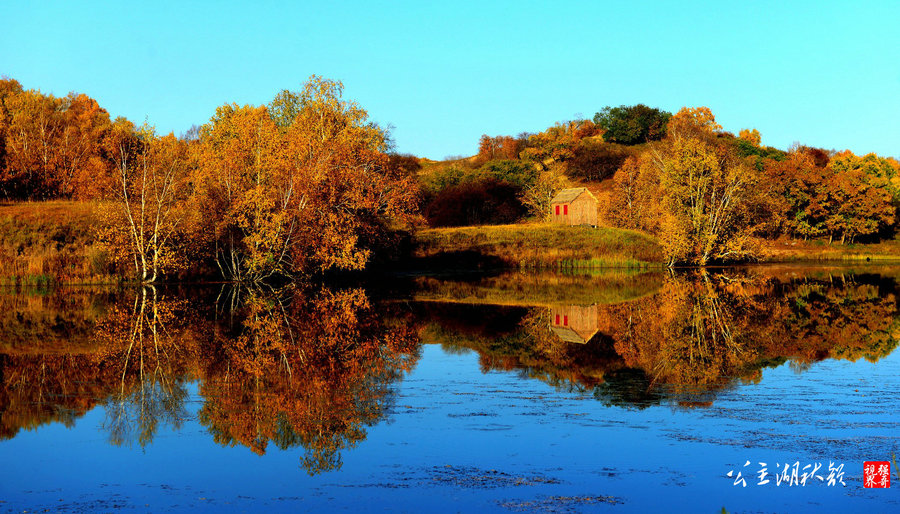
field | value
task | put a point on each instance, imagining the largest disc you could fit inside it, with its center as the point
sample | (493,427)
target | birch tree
(149,201)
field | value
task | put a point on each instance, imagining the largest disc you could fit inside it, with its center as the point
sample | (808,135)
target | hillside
(47,242)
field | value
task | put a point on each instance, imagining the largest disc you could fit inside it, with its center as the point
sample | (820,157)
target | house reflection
(574,323)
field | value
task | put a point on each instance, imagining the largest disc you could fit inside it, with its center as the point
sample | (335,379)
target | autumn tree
(596,160)
(558,143)
(309,196)
(704,189)
(635,197)
(8,88)
(499,147)
(750,136)
(146,219)
(538,194)
(285,107)
(790,193)
(477,202)
(52,147)
(812,193)
(695,122)
(241,176)
(33,127)
(859,196)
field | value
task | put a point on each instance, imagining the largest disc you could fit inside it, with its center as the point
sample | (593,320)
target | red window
(557,210)
(566,321)
(566,209)
(557,319)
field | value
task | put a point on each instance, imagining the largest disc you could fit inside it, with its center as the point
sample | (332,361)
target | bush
(595,160)
(480,202)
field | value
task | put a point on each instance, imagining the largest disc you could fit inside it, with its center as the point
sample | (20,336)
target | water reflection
(295,368)
(697,333)
(312,368)
(575,323)
(309,369)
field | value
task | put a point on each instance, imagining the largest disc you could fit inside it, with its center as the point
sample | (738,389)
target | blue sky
(443,73)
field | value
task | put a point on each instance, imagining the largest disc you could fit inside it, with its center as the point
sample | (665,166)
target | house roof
(567,195)
(570,335)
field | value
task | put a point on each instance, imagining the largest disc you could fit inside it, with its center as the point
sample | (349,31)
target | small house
(574,324)
(576,206)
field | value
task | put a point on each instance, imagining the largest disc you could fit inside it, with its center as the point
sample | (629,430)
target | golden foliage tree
(703,188)
(750,136)
(309,196)
(51,147)
(144,222)
(635,198)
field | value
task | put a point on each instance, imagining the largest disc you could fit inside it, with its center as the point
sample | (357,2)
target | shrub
(480,202)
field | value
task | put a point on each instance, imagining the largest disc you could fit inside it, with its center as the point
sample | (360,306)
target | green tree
(632,125)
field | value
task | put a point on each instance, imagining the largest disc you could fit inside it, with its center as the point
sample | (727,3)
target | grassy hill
(541,245)
(50,242)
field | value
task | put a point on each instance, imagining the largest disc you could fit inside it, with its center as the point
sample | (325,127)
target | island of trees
(308,184)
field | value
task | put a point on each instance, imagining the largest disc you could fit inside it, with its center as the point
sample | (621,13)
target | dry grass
(541,245)
(43,243)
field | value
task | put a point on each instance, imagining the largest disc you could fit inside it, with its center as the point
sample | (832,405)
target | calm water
(507,393)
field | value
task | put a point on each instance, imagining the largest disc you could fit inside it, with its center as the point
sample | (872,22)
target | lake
(750,389)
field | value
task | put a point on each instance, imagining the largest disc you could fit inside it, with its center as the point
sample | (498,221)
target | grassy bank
(792,250)
(541,245)
(43,243)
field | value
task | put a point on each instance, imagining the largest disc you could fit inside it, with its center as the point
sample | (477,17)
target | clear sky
(443,73)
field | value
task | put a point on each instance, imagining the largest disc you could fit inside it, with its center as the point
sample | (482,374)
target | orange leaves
(499,147)
(302,188)
(859,195)
(751,136)
(841,195)
(635,198)
(692,122)
(53,146)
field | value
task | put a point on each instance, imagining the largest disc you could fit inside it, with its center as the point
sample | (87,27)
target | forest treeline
(303,184)
(307,183)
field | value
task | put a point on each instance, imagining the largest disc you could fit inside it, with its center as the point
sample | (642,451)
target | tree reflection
(151,353)
(303,369)
(702,331)
(295,368)
(692,334)
(46,342)
(314,367)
